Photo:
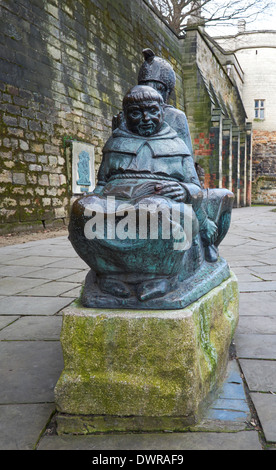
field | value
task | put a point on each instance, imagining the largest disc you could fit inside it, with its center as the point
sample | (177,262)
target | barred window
(259,109)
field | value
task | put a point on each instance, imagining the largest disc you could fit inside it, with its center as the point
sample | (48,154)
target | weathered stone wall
(216,117)
(256,52)
(264,167)
(64,68)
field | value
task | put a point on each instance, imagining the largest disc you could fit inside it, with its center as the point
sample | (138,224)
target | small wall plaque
(83,167)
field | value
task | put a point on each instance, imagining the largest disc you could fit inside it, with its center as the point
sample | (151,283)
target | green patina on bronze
(147,162)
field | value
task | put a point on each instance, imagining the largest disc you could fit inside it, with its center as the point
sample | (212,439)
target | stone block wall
(216,118)
(64,68)
(264,167)
(256,53)
(264,151)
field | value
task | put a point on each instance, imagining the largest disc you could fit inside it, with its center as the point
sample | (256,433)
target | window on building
(259,109)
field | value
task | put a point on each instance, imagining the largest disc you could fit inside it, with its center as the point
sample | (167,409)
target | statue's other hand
(209,233)
(171,189)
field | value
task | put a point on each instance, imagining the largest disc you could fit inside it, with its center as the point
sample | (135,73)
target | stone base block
(131,370)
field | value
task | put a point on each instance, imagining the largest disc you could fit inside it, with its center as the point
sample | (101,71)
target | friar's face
(144,118)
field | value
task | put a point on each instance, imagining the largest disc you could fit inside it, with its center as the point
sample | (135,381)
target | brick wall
(64,68)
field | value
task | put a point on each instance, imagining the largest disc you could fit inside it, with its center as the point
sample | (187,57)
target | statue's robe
(131,167)
(177,120)
(163,154)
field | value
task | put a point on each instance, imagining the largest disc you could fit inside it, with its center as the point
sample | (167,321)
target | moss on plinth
(130,370)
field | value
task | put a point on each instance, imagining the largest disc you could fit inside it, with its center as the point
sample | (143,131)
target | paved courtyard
(38,279)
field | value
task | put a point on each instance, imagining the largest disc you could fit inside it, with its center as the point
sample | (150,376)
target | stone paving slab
(231,404)
(34,261)
(50,273)
(177,441)
(30,367)
(258,303)
(242,270)
(267,276)
(72,293)
(51,251)
(21,425)
(242,261)
(20,305)
(228,405)
(7,320)
(257,286)
(17,271)
(79,276)
(246,251)
(259,325)
(77,263)
(263,242)
(33,329)
(265,405)
(260,375)
(50,289)
(264,269)
(10,258)
(256,346)
(248,277)
(29,371)
(15,285)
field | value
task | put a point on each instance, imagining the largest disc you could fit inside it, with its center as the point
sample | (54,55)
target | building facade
(256,53)
(218,121)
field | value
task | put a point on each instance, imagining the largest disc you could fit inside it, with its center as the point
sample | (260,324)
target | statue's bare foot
(113,287)
(152,289)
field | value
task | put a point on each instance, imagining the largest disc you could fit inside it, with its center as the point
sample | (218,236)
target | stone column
(236,164)
(216,145)
(243,169)
(249,163)
(227,153)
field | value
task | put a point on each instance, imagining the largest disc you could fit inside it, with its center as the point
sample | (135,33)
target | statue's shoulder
(168,143)
(123,141)
(164,143)
(178,121)
(174,114)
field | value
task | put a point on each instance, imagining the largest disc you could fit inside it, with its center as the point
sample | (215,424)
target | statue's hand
(209,233)
(171,189)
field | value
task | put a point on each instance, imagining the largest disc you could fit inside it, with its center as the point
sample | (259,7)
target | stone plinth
(130,370)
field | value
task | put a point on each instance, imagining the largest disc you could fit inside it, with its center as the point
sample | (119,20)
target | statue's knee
(77,208)
(227,199)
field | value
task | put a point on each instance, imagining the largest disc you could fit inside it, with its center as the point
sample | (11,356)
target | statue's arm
(186,134)
(189,171)
(191,183)
(178,121)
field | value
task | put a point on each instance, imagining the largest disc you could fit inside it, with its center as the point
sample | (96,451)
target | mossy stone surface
(152,365)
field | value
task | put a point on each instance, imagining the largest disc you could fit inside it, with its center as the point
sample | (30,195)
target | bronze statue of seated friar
(144,230)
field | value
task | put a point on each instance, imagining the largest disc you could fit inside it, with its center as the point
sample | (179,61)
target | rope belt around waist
(141,176)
